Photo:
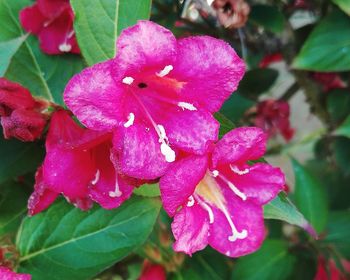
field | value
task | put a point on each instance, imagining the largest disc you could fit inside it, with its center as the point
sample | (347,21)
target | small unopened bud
(232,14)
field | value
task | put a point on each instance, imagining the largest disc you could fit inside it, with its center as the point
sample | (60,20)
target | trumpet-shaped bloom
(158,95)
(8,274)
(52,22)
(20,113)
(217,198)
(78,165)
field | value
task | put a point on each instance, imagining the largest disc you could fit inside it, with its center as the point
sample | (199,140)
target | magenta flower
(78,165)
(151,271)
(8,274)
(217,198)
(21,115)
(157,95)
(52,22)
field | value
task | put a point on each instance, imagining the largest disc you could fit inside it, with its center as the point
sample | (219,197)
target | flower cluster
(52,22)
(148,114)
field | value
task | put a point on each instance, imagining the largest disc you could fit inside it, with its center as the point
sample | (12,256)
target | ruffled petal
(245,216)
(261,183)
(139,153)
(42,197)
(180,181)
(95,98)
(210,68)
(192,131)
(240,145)
(52,8)
(143,45)
(190,228)
(32,19)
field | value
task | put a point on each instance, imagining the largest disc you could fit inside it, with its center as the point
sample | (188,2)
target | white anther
(187,106)
(65,47)
(190,202)
(168,152)
(131,119)
(116,192)
(97,177)
(128,80)
(215,173)
(165,71)
(236,170)
(162,132)
(238,235)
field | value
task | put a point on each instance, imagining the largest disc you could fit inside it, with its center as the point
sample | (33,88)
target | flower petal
(95,98)
(142,45)
(210,68)
(245,216)
(139,153)
(240,145)
(32,19)
(180,181)
(190,228)
(8,274)
(52,8)
(192,131)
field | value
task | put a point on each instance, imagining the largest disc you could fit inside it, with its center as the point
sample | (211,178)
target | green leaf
(344,5)
(271,262)
(344,128)
(268,17)
(99,22)
(281,208)
(18,158)
(7,51)
(341,149)
(235,107)
(328,46)
(148,190)
(13,206)
(256,82)
(69,244)
(310,197)
(338,232)
(225,124)
(338,104)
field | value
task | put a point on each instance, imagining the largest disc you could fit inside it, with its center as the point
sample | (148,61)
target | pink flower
(20,113)
(328,81)
(52,22)
(78,165)
(273,117)
(152,271)
(158,95)
(328,270)
(8,274)
(217,198)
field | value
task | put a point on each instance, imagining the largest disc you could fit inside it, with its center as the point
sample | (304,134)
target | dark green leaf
(268,17)
(271,262)
(99,22)
(344,128)
(341,148)
(225,124)
(338,232)
(328,46)
(310,197)
(18,158)
(344,5)
(281,208)
(69,244)
(338,104)
(235,107)
(13,206)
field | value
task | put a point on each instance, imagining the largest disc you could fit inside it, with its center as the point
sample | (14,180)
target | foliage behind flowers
(134,134)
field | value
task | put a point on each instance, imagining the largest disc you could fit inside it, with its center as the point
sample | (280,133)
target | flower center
(208,194)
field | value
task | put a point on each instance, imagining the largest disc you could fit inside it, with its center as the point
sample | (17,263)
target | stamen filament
(97,177)
(233,187)
(207,208)
(236,170)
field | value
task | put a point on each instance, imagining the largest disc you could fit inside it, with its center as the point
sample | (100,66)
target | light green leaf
(328,46)
(281,208)
(271,262)
(7,51)
(268,17)
(344,128)
(344,5)
(13,206)
(99,22)
(69,244)
(310,197)
(148,190)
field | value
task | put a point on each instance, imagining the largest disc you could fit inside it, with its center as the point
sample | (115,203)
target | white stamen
(206,208)
(162,132)
(131,119)
(188,106)
(215,173)
(165,71)
(233,187)
(65,47)
(116,192)
(236,170)
(190,202)
(128,80)
(97,177)
(168,152)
